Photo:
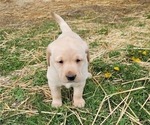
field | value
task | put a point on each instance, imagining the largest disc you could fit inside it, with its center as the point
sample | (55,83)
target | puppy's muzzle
(71,77)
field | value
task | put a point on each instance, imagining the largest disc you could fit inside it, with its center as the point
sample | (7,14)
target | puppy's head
(70,63)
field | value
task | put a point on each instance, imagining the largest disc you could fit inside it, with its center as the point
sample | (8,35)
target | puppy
(67,59)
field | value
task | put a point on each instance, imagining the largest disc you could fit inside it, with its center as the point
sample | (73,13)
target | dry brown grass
(81,15)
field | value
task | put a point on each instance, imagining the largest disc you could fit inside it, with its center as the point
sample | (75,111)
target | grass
(118,92)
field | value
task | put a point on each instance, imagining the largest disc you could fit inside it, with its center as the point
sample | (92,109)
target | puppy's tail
(63,25)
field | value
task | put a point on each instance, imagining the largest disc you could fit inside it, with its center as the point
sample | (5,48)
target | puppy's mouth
(71,81)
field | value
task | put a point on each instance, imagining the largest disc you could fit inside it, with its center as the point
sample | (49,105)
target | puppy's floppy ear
(48,54)
(88,55)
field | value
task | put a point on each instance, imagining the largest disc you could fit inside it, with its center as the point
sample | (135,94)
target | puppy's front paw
(56,103)
(79,103)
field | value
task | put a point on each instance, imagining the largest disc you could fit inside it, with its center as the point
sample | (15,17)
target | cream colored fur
(67,59)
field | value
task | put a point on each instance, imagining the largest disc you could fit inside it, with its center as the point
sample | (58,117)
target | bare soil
(18,13)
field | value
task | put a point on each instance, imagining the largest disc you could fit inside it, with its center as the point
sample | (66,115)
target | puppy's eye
(78,60)
(61,62)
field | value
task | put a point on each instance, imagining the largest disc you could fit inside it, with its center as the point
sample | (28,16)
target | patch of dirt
(20,13)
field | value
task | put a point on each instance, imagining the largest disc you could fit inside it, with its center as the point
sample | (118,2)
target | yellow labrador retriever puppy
(67,59)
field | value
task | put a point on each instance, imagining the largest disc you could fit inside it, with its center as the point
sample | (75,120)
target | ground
(117,32)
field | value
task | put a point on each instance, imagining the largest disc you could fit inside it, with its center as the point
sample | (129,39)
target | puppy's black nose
(71,77)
